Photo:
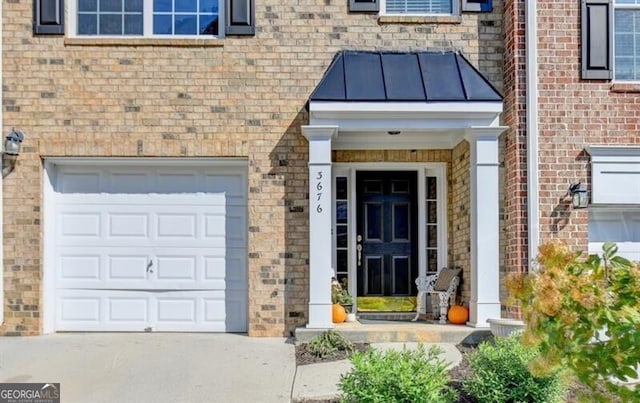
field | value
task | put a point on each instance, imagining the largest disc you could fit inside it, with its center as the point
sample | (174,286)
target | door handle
(359,249)
(149,265)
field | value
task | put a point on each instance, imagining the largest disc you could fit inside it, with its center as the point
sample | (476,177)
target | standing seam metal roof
(356,76)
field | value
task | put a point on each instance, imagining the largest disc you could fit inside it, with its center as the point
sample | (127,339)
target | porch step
(380,331)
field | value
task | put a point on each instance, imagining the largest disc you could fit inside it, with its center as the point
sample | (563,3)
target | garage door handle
(149,265)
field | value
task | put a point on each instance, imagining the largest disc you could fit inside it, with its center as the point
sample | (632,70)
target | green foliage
(501,374)
(397,376)
(340,293)
(328,343)
(583,314)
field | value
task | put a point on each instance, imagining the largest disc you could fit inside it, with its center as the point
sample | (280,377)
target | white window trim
(616,6)
(437,169)
(455,11)
(72,24)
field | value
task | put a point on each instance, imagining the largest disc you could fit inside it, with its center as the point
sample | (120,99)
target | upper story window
(627,40)
(147,17)
(418,7)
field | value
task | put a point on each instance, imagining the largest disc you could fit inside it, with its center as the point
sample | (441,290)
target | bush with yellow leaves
(584,315)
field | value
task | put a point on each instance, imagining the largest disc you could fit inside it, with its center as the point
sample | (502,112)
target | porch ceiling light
(579,198)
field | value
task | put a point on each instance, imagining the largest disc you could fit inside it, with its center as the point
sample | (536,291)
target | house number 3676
(319,192)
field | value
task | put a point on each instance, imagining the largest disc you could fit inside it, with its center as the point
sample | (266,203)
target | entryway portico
(403,101)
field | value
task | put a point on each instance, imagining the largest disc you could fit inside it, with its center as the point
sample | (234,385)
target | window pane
(341,260)
(162,6)
(185,25)
(341,188)
(111,24)
(111,5)
(208,25)
(162,24)
(133,24)
(341,241)
(88,5)
(627,46)
(87,24)
(133,5)
(432,188)
(186,6)
(341,212)
(419,6)
(209,6)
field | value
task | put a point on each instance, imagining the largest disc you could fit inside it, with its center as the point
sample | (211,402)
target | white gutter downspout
(533,212)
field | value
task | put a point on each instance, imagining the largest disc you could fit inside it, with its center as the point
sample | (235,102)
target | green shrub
(397,376)
(328,343)
(583,314)
(501,374)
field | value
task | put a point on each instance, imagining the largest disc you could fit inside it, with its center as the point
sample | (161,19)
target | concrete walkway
(174,367)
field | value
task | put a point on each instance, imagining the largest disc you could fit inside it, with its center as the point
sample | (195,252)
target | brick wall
(573,114)
(460,209)
(238,97)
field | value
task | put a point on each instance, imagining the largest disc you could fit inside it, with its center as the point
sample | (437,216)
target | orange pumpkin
(339,314)
(458,315)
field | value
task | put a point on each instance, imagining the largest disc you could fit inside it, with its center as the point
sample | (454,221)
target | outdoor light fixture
(12,146)
(393,132)
(13,142)
(579,197)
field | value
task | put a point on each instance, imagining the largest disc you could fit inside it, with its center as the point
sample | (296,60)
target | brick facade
(237,97)
(572,114)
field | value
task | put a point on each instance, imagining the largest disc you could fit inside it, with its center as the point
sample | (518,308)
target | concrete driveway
(153,367)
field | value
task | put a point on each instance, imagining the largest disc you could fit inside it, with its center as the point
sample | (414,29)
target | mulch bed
(458,374)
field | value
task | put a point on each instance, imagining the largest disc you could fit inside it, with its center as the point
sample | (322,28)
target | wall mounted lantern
(579,198)
(13,142)
(12,147)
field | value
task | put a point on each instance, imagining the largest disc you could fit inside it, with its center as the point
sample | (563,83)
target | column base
(320,316)
(480,312)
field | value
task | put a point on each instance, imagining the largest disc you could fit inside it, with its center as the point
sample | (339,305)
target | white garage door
(150,248)
(615,224)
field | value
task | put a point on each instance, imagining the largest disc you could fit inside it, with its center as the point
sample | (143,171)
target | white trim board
(615,174)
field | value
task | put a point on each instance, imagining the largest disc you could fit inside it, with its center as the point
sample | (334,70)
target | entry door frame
(349,170)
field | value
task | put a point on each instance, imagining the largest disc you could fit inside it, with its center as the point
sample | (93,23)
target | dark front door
(387,237)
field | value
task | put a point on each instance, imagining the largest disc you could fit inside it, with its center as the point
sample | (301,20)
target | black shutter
(48,17)
(240,17)
(597,38)
(364,5)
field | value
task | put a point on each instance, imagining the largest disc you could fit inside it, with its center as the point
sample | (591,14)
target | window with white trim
(147,17)
(627,40)
(419,7)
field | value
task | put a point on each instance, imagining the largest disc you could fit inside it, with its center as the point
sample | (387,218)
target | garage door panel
(128,309)
(176,268)
(127,268)
(173,225)
(145,247)
(77,182)
(128,225)
(75,224)
(80,267)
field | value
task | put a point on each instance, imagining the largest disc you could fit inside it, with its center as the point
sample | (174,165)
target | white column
(485,233)
(320,224)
